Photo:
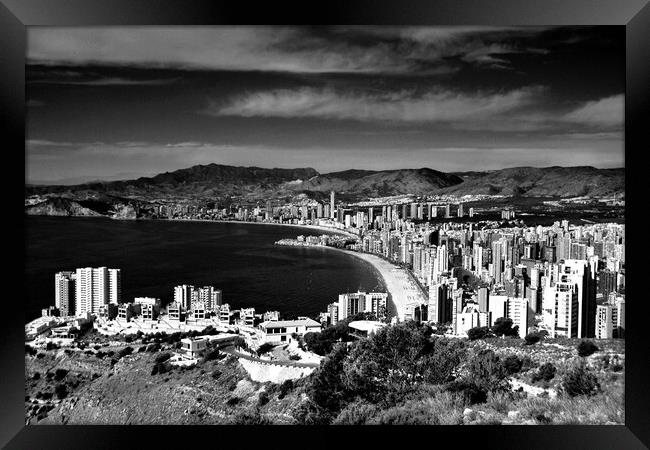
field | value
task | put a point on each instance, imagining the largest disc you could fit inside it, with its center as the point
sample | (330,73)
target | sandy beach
(400,286)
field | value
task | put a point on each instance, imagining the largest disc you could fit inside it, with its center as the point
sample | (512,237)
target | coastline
(309,227)
(401,289)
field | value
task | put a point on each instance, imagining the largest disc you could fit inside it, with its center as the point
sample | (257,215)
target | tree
(477,333)
(265,348)
(580,381)
(586,348)
(532,338)
(503,327)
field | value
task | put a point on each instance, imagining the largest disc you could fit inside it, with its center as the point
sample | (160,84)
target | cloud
(108,81)
(401,106)
(290,49)
(606,112)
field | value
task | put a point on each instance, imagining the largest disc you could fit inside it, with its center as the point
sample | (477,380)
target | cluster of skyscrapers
(350,304)
(86,290)
(560,274)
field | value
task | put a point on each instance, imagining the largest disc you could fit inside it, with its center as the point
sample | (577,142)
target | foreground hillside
(403,375)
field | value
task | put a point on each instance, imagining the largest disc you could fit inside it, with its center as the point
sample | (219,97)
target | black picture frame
(16,15)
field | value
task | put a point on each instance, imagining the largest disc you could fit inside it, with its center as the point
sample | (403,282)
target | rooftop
(289,323)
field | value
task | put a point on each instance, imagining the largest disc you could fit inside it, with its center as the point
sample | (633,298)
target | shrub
(211,355)
(128,338)
(263,398)
(36,376)
(233,401)
(512,364)
(586,348)
(30,350)
(545,372)
(356,413)
(162,357)
(477,333)
(580,381)
(295,357)
(285,388)
(60,374)
(265,348)
(51,346)
(40,355)
(153,347)
(216,374)
(532,338)
(61,391)
(124,352)
(142,349)
(250,418)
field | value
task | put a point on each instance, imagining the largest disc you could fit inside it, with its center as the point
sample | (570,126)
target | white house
(276,331)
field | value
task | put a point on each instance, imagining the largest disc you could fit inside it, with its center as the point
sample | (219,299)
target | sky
(123,102)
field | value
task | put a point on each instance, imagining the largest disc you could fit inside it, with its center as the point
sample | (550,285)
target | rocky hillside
(542,182)
(213,182)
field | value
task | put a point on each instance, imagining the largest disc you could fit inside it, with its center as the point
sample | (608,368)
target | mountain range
(215,182)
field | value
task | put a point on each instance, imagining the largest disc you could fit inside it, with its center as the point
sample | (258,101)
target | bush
(40,355)
(477,333)
(30,350)
(60,374)
(125,351)
(263,398)
(285,388)
(233,401)
(265,348)
(36,376)
(162,357)
(295,358)
(211,355)
(532,338)
(586,348)
(159,368)
(512,364)
(61,391)
(142,349)
(51,346)
(153,347)
(580,381)
(545,372)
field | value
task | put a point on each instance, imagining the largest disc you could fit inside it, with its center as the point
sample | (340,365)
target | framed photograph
(290,219)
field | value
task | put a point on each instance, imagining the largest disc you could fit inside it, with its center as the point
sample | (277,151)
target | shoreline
(309,227)
(401,289)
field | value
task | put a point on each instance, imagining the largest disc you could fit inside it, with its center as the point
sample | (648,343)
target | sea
(156,255)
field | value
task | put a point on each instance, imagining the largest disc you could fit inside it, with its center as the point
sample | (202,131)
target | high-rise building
(439,308)
(64,292)
(115,286)
(483,299)
(353,303)
(460,210)
(183,295)
(94,288)
(332,208)
(518,312)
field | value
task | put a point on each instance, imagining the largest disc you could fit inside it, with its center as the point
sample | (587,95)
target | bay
(238,258)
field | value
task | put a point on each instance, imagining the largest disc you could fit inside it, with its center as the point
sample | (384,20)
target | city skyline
(130,102)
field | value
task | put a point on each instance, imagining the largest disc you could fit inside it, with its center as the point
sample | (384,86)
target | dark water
(155,256)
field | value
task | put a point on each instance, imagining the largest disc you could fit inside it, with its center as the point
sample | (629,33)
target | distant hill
(542,182)
(211,182)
